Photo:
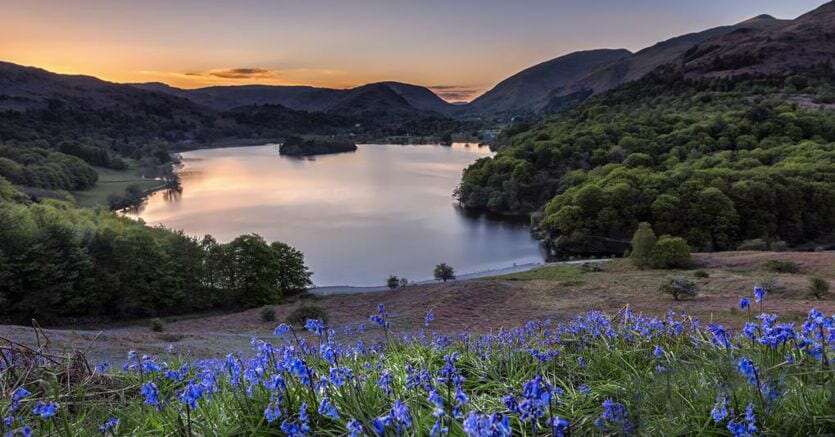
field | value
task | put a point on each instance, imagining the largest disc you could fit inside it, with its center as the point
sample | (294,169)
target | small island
(297,146)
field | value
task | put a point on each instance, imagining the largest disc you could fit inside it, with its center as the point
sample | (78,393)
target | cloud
(244,73)
(456,93)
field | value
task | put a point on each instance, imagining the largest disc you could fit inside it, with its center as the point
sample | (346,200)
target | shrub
(443,272)
(679,287)
(590,267)
(403,282)
(267,314)
(392,282)
(701,274)
(157,325)
(643,241)
(779,246)
(671,253)
(818,287)
(301,315)
(755,244)
(780,266)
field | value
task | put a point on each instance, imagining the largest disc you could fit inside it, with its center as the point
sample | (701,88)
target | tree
(679,287)
(643,241)
(671,253)
(818,287)
(393,282)
(403,282)
(293,274)
(443,272)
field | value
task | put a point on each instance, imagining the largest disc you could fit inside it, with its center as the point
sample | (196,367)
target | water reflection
(358,217)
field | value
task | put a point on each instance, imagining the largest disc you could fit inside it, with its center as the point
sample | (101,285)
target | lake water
(358,217)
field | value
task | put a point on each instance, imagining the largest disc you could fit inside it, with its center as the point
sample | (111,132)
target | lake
(358,217)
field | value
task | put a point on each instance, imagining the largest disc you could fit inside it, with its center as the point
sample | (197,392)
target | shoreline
(331,290)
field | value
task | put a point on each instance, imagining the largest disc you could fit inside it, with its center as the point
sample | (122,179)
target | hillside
(803,43)
(528,90)
(311,99)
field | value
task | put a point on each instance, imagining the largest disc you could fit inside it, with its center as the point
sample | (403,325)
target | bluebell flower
(327,409)
(191,394)
(437,401)
(109,425)
(720,409)
(272,412)
(614,417)
(340,375)
(484,425)
(45,410)
(744,303)
(315,326)
(428,318)
(385,382)
(720,335)
(747,369)
(658,352)
(584,389)
(20,393)
(560,426)
(282,330)
(151,393)
(102,367)
(759,294)
(400,412)
(581,362)
(8,421)
(354,428)
(300,428)
(438,430)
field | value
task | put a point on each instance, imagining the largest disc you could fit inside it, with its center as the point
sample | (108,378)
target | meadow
(596,374)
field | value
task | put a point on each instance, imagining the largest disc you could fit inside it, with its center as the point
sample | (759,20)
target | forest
(717,162)
(60,262)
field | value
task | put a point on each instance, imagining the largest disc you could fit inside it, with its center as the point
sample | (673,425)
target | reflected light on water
(358,217)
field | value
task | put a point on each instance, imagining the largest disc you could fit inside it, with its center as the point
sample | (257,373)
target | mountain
(529,89)
(569,79)
(306,98)
(799,44)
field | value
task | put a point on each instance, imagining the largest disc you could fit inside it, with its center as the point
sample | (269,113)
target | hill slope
(529,89)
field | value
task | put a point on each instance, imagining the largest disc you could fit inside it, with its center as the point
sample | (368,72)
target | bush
(303,313)
(818,287)
(779,246)
(679,287)
(157,325)
(590,267)
(392,282)
(780,266)
(443,272)
(643,241)
(671,253)
(755,244)
(701,274)
(267,314)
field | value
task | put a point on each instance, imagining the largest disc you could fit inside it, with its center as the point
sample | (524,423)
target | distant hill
(412,98)
(529,90)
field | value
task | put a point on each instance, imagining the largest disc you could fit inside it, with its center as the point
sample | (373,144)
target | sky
(458,48)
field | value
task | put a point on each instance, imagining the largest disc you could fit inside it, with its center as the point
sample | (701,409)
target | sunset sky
(458,47)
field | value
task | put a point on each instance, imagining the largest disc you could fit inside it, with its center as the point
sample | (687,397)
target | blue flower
(747,369)
(191,394)
(354,428)
(315,326)
(272,412)
(759,294)
(720,409)
(438,430)
(560,426)
(484,425)
(45,410)
(151,393)
(400,412)
(428,318)
(109,425)
(327,409)
(744,303)
(658,352)
(385,382)
(282,329)
(614,417)
(8,421)
(584,389)
(19,394)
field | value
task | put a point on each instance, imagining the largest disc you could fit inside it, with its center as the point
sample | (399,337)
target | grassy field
(563,274)
(114,182)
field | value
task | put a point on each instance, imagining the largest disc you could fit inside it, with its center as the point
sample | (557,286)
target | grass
(114,182)
(603,374)
(559,273)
